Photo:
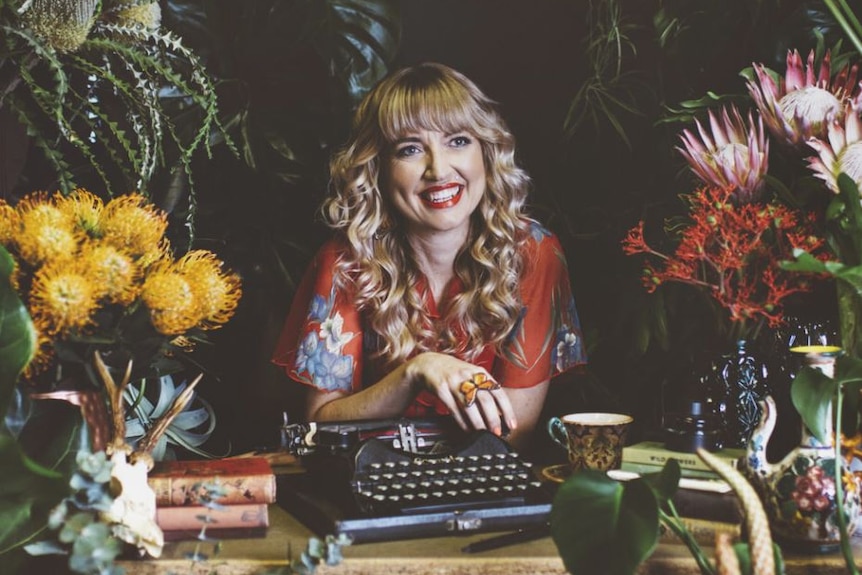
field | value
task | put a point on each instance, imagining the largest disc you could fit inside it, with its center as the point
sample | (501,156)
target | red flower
(733,251)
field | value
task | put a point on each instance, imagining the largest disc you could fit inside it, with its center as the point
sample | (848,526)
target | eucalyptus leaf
(603,526)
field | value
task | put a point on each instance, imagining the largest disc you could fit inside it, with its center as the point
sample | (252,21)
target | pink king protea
(800,106)
(735,155)
(842,152)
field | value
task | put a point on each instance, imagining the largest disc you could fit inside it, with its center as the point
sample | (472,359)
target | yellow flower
(114,273)
(134,225)
(43,355)
(217,293)
(8,223)
(62,297)
(170,299)
(84,209)
(45,232)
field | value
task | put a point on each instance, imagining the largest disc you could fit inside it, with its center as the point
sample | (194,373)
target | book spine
(724,507)
(216,534)
(659,458)
(184,491)
(703,531)
(194,517)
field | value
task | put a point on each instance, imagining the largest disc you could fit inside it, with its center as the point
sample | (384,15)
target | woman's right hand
(445,377)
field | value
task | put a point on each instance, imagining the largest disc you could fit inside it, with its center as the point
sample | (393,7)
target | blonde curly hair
(379,269)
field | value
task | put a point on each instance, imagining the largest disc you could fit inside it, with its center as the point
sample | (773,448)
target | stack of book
(704,501)
(650,456)
(248,486)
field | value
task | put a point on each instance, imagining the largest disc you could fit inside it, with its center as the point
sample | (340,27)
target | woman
(437,294)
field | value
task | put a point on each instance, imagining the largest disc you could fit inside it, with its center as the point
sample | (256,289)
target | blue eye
(405,151)
(461,141)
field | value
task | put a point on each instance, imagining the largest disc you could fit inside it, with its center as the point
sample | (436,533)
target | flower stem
(675,524)
(852,34)
(846,549)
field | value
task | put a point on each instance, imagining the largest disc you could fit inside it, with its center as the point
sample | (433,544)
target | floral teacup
(592,440)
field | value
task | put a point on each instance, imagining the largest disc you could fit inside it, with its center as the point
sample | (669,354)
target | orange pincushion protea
(100,276)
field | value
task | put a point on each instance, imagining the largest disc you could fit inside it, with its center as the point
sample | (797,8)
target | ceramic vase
(798,492)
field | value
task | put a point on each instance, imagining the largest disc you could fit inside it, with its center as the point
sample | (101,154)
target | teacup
(592,440)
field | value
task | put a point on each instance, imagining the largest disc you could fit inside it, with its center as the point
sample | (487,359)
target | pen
(519,536)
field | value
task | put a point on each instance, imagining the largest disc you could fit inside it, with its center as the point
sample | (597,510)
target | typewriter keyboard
(485,473)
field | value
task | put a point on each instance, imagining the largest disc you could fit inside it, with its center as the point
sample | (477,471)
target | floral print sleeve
(547,339)
(320,344)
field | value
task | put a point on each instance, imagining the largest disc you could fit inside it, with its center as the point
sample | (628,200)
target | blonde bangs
(437,104)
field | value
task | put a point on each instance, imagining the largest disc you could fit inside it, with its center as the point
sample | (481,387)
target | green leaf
(812,392)
(17,334)
(665,482)
(27,491)
(603,526)
(361,38)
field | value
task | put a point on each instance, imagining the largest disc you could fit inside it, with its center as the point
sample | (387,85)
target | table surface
(436,555)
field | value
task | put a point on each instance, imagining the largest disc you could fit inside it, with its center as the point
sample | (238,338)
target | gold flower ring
(472,386)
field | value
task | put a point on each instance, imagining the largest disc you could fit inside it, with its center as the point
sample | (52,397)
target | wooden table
(438,556)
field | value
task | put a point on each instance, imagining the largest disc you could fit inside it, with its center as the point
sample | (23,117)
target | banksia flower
(136,13)
(62,24)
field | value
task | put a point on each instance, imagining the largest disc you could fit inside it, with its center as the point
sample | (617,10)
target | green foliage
(318,551)
(17,335)
(111,101)
(604,526)
(89,543)
(610,527)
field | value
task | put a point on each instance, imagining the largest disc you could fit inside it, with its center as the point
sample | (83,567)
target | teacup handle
(557,431)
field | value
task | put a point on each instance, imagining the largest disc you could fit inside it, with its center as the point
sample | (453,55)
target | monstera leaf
(604,526)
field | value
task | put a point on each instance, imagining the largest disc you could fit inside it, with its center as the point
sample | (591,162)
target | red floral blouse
(325,342)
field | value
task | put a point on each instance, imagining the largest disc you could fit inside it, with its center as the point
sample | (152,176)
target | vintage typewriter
(394,479)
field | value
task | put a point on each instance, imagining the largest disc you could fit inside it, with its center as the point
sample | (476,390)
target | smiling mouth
(442,196)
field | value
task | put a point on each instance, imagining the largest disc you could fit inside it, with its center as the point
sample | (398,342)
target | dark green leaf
(362,37)
(17,335)
(603,526)
(27,491)
(664,483)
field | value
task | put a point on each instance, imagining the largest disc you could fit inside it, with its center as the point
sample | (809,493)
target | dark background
(592,90)
(590,185)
